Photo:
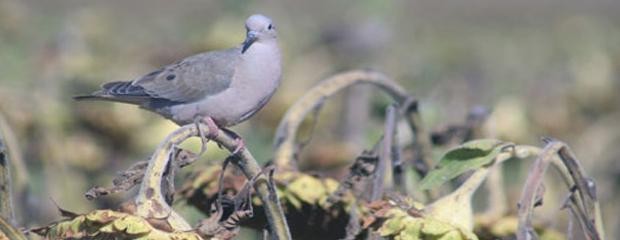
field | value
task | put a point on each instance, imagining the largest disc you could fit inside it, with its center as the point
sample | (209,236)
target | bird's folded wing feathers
(192,78)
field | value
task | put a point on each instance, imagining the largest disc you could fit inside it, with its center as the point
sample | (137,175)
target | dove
(220,88)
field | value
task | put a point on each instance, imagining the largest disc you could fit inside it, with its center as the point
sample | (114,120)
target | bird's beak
(249,40)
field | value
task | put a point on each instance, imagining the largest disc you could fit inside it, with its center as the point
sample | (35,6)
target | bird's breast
(256,78)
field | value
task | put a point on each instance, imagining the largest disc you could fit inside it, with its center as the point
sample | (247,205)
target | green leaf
(468,156)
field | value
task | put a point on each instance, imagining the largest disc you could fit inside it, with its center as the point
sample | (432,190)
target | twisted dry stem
(150,200)
(285,140)
(532,184)
(456,206)
(584,204)
(376,192)
(126,180)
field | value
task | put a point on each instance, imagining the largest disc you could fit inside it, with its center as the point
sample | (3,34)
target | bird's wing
(192,78)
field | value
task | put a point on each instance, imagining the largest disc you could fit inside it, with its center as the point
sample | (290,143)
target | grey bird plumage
(228,86)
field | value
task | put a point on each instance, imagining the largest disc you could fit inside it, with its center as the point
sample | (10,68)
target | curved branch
(530,189)
(150,200)
(285,145)
(587,192)
(585,203)
(459,201)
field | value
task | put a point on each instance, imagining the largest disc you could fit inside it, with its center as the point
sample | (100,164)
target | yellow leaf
(412,229)
(307,189)
(452,235)
(435,228)
(132,225)
(391,227)
(292,199)
(103,216)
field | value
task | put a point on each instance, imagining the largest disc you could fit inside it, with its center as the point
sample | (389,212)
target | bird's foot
(239,145)
(239,142)
(213,131)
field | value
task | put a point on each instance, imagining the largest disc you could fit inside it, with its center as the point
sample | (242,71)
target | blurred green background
(544,68)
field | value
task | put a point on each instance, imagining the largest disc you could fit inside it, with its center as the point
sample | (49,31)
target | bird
(221,88)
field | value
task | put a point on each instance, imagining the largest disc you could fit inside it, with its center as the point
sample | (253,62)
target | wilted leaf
(392,226)
(452,235)
(292,199)
(132,225)
(307,188)
(103,216)
(412,230)
(402,226)
(471,155)
(107,224)
(436,228)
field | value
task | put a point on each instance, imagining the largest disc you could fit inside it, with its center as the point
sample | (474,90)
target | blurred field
(545,68)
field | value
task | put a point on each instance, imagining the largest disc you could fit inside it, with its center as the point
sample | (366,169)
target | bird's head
(259,28)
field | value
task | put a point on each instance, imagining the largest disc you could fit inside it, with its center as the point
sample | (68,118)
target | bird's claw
(214,130)
(211,134)
(239,145)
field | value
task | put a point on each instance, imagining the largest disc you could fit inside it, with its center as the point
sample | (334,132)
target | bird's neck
(263,61)
(261,50)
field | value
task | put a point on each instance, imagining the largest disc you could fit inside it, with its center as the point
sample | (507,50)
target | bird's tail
(86,98)
(123,92)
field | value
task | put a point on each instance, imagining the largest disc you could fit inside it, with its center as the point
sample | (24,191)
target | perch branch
(285,141)
(150,199)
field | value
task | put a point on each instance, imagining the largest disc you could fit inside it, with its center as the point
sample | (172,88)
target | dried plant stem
(10,232)
(150,200)
(285,141)
(384,155)
(421,137)
(585,204)
(398,170)
(528,196)
(21,174)
(586,187)
(6,199)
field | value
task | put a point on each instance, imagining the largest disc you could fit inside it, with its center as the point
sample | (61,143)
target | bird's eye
(270,27)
